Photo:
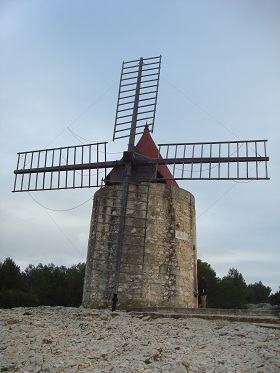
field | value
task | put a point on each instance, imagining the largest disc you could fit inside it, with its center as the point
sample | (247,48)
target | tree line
(50,285)
(232,291)
(46,285)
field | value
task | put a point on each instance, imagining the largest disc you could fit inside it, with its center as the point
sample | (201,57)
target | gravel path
(58,339)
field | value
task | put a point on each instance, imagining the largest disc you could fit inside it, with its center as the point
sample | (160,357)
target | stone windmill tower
(142,242)
(158,258)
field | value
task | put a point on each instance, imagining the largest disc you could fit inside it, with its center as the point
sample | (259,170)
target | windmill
(142,167)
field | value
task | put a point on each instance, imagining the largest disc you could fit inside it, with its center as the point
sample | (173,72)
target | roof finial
(146,128)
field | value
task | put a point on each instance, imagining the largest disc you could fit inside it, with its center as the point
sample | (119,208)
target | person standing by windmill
(202,292)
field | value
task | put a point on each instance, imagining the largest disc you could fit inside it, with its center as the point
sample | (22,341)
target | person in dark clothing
(202,292)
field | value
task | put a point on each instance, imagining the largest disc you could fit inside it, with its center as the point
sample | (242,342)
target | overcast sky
(220,80)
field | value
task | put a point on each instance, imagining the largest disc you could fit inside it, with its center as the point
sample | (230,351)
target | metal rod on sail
(127,174)
(135,108)
(120,235)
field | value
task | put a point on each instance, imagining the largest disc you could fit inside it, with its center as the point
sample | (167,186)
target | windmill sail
(82,166)
(87,166)
(226,160)
(137,96)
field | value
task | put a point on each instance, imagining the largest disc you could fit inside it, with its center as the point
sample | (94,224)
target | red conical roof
(148,148)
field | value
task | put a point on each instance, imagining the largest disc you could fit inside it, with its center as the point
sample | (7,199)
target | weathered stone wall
(159,255)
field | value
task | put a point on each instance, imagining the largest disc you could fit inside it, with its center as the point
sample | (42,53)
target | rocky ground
(58,339)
